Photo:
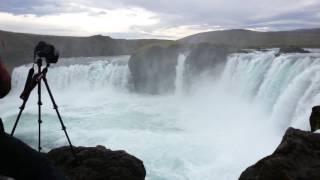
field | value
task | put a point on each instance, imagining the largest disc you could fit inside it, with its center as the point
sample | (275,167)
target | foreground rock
(21,162)
(97,163)
(296,158)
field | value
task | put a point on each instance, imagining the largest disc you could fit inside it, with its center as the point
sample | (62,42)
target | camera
(47,51)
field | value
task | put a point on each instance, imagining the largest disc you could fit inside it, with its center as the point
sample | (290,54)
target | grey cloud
(272,14)
(233,13)
(40,7)
(37,7)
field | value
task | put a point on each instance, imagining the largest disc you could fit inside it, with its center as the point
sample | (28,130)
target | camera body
(47,51)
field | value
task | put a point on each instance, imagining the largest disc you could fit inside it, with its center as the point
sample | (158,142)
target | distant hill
(246,38)
(17,48)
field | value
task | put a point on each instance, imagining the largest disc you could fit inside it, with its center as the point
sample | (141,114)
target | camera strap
(28,82)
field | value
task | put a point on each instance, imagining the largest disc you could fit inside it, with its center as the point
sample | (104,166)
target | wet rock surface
(97,163)
(154,69)
(296,158)
(206,57)
(291,49)
(205,60)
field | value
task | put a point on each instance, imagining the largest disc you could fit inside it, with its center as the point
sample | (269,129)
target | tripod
(33,81)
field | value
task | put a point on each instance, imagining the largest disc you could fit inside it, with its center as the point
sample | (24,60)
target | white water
(214,132)
(179,74)
(89,74)
(285,87)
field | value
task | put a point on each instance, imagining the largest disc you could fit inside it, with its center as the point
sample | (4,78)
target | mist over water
(215,131)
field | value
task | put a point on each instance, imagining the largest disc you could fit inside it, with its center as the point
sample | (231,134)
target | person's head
(5,80)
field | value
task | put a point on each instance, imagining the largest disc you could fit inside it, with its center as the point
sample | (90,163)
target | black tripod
(31,82)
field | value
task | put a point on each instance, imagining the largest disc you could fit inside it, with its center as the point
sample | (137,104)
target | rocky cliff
(97,163)
(296,158)
(205,59)
(153,69)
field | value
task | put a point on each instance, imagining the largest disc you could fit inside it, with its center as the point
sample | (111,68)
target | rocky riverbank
(296,158)
(97,163)
(93,163)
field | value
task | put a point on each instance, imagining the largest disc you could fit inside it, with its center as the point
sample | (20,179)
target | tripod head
(47,51)
(42,52)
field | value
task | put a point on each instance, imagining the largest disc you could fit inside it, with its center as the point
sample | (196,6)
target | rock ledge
(97,163)
(296,158)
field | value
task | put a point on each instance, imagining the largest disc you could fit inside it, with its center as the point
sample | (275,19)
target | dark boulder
(291,49)
(205,57)
(97,163)
(153,69)
(315,118)
(5,178)
(21,162)
(296,158)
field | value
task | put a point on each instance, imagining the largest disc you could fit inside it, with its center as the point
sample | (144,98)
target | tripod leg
(59,116)
(18,117)
(39,116)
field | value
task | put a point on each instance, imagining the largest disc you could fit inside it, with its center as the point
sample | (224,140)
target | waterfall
(258,94)
(179,74)
(82,74)
(287,86)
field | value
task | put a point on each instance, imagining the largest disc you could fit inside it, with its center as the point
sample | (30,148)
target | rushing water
(213,132)
(179,74)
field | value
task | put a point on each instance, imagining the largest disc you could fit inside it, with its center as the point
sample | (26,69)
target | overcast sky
(170,19)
